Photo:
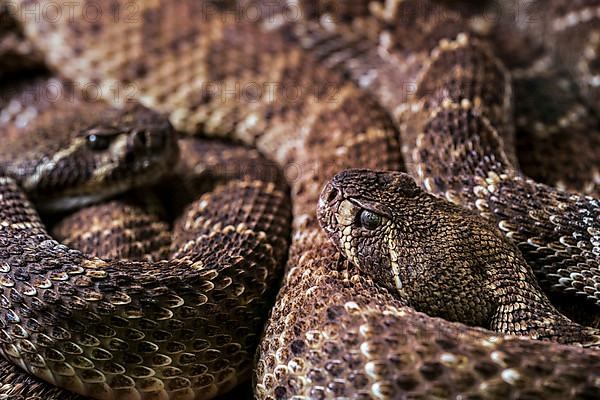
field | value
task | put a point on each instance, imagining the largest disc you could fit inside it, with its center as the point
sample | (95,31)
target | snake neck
(523,312)
(523,309)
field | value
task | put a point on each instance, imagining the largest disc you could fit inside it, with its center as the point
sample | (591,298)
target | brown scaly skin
(31,96)
(213,358)
(449,67)
(248,263)
(549,110)
(117,229)
(129,147)
(18,385)
(16,53)
(556,121)
(118,224)
(130,228)
(558,139)
(544,222)
(334,332)
(563,30)
(439,258)
(330,324)
(574,37)
(204,164)
(556,128)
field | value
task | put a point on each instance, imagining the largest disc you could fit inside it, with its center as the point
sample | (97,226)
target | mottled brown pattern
(15,384)
(100,151)
(558,139)
(210,358)
(332,331)
(202,336)
(30,99)
(557,126)
(440,129)
(131,228)
(342,335)
(116,229)
(387,226)
(16,53)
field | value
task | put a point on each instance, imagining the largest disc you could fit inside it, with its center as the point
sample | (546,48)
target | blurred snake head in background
(79,158)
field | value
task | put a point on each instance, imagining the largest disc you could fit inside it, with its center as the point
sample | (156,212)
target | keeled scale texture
(334,333)
(120,228)
(387,226)
(355,127)
(453,97)
(135,332)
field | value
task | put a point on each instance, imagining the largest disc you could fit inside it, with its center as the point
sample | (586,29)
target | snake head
(81,155)
(359,211)
(435,256)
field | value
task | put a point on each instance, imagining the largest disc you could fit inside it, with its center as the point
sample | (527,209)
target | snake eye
(369,220)
(98,142)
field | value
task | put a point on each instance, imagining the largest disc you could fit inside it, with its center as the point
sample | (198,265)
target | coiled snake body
(139,329)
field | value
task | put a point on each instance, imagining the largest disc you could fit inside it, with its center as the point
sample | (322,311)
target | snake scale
(334,331)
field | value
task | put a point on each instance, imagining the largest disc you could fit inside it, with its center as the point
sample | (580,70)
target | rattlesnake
(233,286)
(333,331)
(373,217)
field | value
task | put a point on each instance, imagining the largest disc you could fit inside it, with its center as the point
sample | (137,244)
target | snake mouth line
(78,198)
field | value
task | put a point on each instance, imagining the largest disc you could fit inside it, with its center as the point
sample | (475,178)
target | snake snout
(330,195)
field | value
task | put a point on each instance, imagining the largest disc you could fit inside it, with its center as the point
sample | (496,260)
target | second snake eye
(369,220)
(98,142)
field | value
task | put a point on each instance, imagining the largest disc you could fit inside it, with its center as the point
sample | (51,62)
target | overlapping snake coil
(318,87)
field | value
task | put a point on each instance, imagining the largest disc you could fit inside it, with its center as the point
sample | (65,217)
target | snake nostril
(332,195)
